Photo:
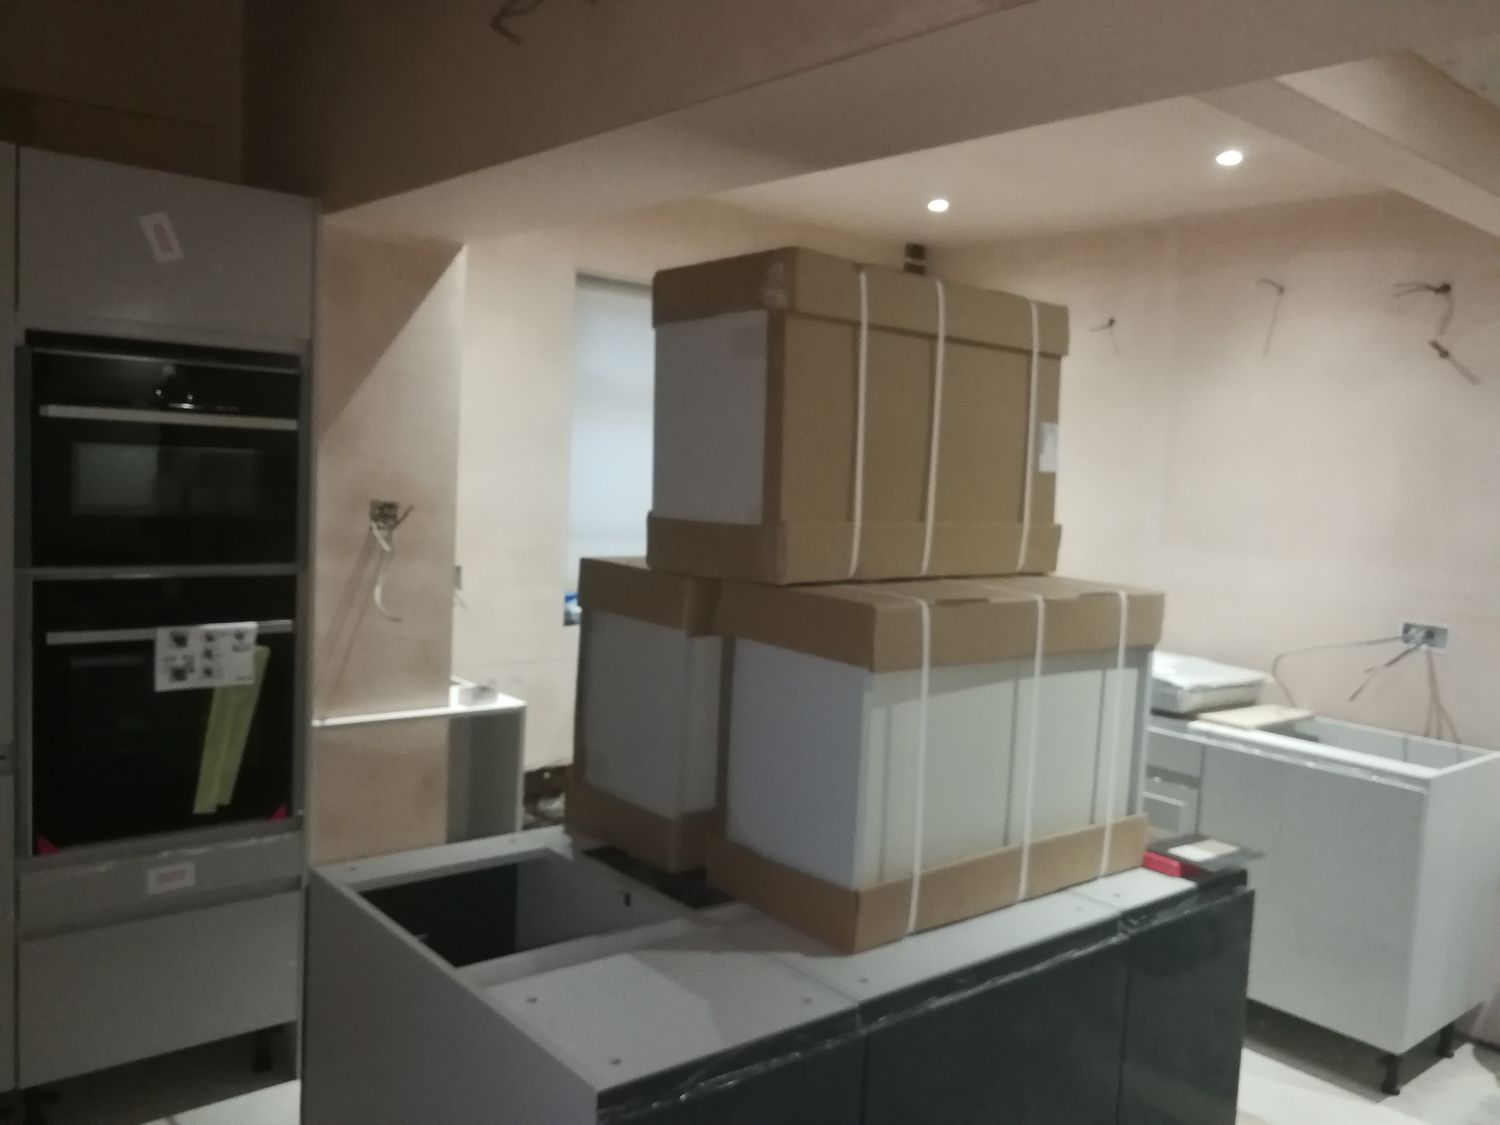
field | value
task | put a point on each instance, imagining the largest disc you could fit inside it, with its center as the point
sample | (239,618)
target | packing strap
(1033,736)
(934,437)
(1028,485)
(1109,766)
(919,786)
(1112,763)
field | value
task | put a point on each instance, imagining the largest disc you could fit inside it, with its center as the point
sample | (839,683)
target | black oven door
(141,460)
(111,757)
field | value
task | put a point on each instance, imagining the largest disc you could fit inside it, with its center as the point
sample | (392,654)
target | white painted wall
(1320,492)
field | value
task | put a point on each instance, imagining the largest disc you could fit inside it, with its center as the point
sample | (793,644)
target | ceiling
(1141,164)
(1474,63)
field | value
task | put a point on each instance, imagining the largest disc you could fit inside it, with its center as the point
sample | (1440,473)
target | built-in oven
(157,455)
(117,749)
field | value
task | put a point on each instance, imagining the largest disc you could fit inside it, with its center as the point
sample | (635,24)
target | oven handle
(161,418)
(107,636)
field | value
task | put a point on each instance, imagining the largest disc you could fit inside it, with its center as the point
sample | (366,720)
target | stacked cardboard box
(646,738)
(839,720)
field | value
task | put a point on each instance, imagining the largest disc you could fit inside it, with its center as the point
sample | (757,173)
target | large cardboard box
(826,759)
(646,736)
(759,428)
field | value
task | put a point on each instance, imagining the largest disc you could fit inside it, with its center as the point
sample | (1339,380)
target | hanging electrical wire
(1444,290)
(1280,290)
(383,525)
(1338,647)
(1440,720)
(1445,322)
(1373,673)
(1109,326)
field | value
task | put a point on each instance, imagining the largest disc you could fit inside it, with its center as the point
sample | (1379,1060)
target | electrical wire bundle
(1439,723)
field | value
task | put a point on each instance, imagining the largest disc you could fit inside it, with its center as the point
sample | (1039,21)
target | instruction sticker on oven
(205,656)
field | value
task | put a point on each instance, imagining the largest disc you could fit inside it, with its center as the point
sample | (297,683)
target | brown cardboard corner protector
(660,596)
(671,845)
(974,620)
(812,554)
(852,921)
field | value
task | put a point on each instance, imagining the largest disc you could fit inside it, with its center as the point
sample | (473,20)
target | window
(609,490)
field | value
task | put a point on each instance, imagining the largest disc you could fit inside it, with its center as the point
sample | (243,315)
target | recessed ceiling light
(937,206)
(1230,157)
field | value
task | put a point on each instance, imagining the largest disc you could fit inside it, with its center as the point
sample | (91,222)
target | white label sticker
(1046,454)
(171,877)
(161,237)
(205,656)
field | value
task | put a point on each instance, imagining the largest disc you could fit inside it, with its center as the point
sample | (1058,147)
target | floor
(1293,1074)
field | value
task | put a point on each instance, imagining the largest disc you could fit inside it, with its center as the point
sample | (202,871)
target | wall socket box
(385,514)
(1429,636)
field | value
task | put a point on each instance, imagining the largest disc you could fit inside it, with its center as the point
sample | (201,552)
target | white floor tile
(277,1105)
(1293,1074)
(1461,1091)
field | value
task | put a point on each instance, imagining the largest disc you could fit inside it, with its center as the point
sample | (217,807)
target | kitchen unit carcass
(161,454)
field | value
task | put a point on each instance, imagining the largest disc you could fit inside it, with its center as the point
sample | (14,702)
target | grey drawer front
(1171,806)
(55,898)
(1175,753)
(104,997)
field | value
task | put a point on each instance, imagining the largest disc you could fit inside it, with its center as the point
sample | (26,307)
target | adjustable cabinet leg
(1447,1045)
(264,1044)
(1392,1082)
(34,1105)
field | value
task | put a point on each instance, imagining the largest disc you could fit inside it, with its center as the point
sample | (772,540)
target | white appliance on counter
(164,329)
(1378,886)
(1190,685)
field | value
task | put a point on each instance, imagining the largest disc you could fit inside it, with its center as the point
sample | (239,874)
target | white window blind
(609,490)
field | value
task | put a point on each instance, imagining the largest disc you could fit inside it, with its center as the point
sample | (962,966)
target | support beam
(1399,120)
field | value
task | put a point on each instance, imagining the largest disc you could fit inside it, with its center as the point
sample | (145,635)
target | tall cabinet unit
(162,345)
(7,617)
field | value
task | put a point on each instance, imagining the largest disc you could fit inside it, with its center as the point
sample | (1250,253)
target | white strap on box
(861,400)
(861,394)
(1033,736)
(1112,765)
(1029,480)
(935,438)
(1031,746)
(919,787)
(685,733)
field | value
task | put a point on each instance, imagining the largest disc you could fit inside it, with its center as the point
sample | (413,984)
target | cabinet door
(1040,1047)
(112,250)
(1335,890)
